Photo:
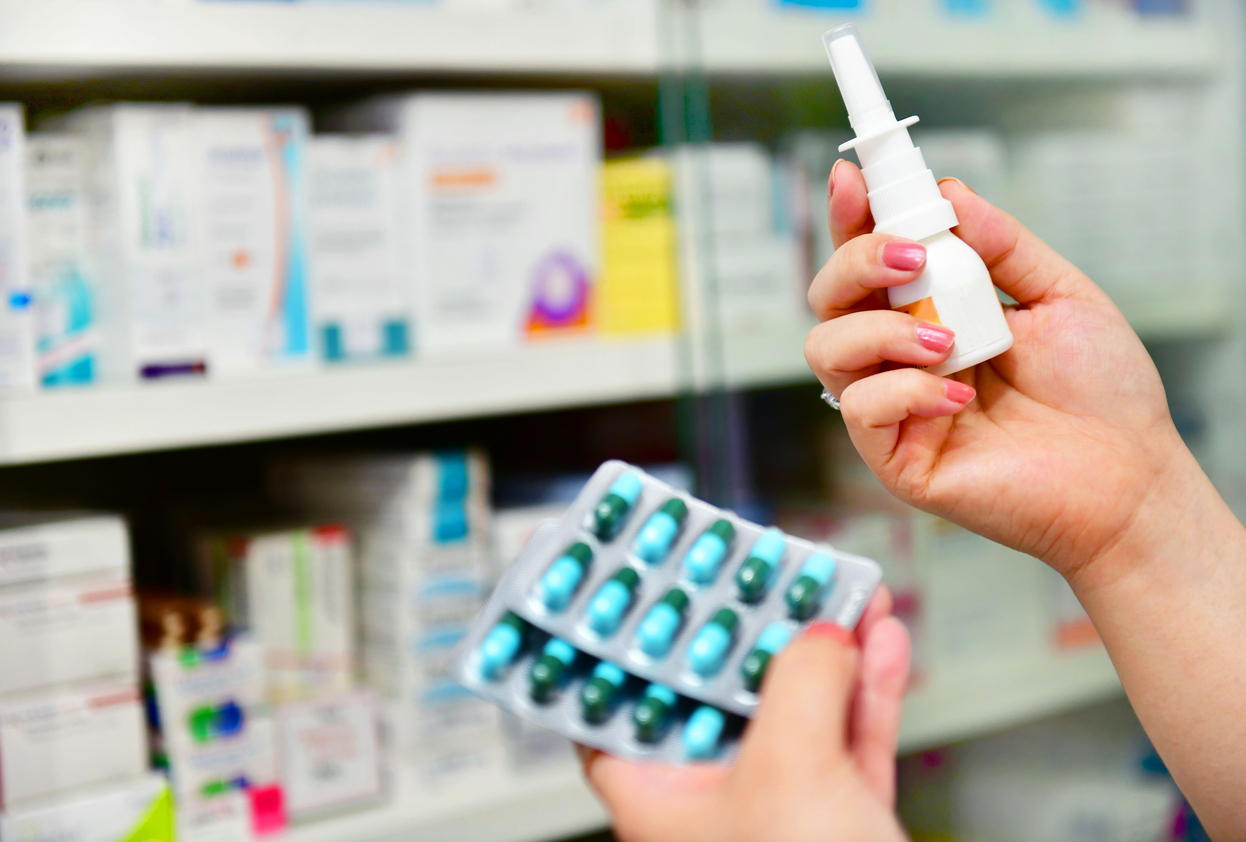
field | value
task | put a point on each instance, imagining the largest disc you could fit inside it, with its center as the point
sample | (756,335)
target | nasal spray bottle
(955,288)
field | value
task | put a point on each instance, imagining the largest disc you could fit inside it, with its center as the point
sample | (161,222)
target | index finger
(847,203)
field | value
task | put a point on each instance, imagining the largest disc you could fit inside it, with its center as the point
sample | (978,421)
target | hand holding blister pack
(955,288)
(642,622)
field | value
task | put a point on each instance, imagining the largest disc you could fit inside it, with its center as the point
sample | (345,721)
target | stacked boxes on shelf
(424,569)
(752,277)
(17,365)
(71,717)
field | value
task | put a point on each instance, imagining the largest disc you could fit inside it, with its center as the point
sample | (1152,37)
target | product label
(924,310)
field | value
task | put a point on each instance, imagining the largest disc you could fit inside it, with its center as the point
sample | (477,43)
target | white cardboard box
(56,742)
(62,634)
(500,208)
(360,302)
(17,343)
(64,288)
(142,239)
(251,203)
(329,754)
(138,811)
(42,548)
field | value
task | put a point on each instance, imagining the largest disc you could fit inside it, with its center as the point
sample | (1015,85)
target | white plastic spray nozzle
(868,108)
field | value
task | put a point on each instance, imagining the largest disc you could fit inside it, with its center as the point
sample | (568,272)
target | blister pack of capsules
(642,622)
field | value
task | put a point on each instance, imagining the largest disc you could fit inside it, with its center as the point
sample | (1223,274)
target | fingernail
(830,187)
(958,181)
(935,337)
(958,392)
(904,256)
(836,632)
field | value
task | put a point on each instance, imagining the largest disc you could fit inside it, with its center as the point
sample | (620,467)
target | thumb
(801,725)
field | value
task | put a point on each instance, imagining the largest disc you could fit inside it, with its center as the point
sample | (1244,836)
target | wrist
(1180,512)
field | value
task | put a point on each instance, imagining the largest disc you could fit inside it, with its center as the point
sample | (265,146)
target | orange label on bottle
(924,310)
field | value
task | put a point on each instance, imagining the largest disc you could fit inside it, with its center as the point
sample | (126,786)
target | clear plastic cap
(858,81)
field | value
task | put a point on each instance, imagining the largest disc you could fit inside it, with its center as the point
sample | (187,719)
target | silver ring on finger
(830,400)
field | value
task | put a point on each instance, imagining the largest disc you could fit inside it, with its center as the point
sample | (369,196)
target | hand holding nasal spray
(955,288)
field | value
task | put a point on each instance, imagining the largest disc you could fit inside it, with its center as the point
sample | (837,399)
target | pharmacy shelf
(538,806)
(100,421)
(1019,42)
(555,802)
(45,38)
(956,706)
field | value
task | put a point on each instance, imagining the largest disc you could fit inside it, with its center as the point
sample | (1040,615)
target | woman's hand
(1051,447)
(817,761)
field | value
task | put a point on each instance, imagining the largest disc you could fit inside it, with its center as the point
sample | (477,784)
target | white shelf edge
(541,805)
(40,37)
(958,706)
(103,420)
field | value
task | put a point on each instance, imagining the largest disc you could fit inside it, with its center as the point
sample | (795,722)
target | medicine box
(17,365)
(639,289)
(190,684)
(331,756)
(54,742)
(138,811)
(36,549)
(252,215)
(292,589)
(61,634)
(141,237)
(64,289)
(361,302)
(500,208)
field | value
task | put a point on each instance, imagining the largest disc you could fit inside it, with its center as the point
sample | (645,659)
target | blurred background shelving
(1030,106)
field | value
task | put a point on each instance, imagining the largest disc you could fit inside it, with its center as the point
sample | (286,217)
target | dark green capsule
(804,596)
(653,712)
(597,697)
(547,673)
(608,516)
(754,668)
(752,578)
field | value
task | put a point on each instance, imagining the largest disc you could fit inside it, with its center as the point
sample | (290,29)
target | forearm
(1169,600)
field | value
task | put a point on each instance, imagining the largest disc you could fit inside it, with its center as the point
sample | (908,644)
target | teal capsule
(804,596)
(755,575)
(709,648)
(563,577)
(606,610)
(770,642)
(653,713)
(501,646)
(611,513)
(548,671)
(706,556)
(657,631)
(654,540)
(702,733)
(597,697)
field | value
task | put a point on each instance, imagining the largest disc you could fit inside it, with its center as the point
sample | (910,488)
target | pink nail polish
(835,632)
(830,186)
(905,257)
(958,392)
(935,337)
